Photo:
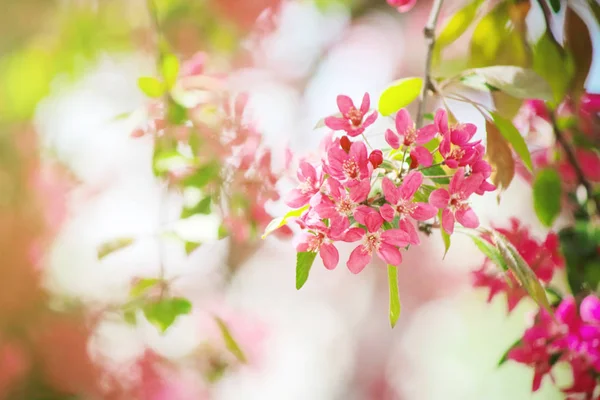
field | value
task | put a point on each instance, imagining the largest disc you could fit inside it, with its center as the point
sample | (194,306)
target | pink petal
(366,104)
(459,136)
(390,191)
(296,198)
(407,6)
(409,228)
(403,122)
(441,121)
(422,156)
(345,104)
(445,146)
(369,120)
(361,212)
(410,185)
(392,139)
(423,212)
(353,235)
(396,237)
(457,181)
(360,191)
(353,132)
(329,255)
(390,254)
(307,171)
(467,218)
(448,221)
(470,184)
(387,212)
(373,221)
(359,151)
(325,208)
(439,198)
(566,312)
(335,188)
(359,258)
(336,123)
(426,133)
(590,309)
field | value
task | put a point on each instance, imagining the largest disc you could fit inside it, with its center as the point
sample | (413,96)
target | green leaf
(114,245)
(151,87)
(445,238)
(518,82)
(512,135)
(428,116)
(555,4)
(490,251)
(142,286)
(163,312)
(203,207)
(304,261)
(399,94)
(191,246)
(230,342)
(170,69)
(552,63)
(203,175)
(130,317)
(394,294)
(547,194)
(578,42)
(504,357)
(436,170)
(281,221)
(458,24)
(522,272)
(176,114)
(500,156)
(579,245)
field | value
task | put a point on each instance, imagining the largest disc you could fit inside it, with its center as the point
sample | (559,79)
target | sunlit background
(68,69)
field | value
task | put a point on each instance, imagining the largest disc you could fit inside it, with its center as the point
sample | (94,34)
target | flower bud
(376,158)
(345,143)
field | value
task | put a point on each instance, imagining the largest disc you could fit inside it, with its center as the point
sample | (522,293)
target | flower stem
(574,163)
(429,33)
(431,166)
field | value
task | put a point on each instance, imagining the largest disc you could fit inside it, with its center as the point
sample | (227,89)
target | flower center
(456,152)
(315,242)
(410,136)
(306,186)
(355,116)
(345,206)
(371,242)
(350,168)
(457,203)
(405,207)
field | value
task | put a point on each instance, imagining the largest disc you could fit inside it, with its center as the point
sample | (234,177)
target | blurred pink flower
(402,5)
(353,120)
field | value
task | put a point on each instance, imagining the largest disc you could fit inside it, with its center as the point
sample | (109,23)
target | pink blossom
(318,239)
(454,201)
(353,120)
(311,180)
(401,204)
(348,166)
(483,168)
(402,5)
(342,202)
(385,243)
(407,134)
(455,146)
(420,156)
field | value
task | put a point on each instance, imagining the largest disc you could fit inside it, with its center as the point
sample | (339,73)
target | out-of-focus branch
(429,33)
(574,163)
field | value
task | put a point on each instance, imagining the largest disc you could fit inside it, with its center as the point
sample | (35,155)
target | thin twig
(429,33)
(574,163)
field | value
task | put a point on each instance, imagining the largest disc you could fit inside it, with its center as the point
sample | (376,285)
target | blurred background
(69,101)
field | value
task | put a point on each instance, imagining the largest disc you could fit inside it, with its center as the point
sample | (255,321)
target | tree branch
(574,163)
(429,33)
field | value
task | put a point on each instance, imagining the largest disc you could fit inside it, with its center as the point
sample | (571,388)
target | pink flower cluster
(374,197)
(572,336)
(543,257)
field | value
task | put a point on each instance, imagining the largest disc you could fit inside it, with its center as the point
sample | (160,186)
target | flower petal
(423,212)
(448,221)
(407,226)
(467,218)
(392,139)
(296,199)
(590,309)
(353,235)
(422,156)
(387,212)
(369,120)
(366,104)
(360,214)
(336,123)
(390,254)
(426,133)
(441,121)
(403,122)
(439,198)
(344,103)
(373,221)
(359,258)
(396,237)
(390,191)
(360,191)
(410,185)
(329,255)
(470,184)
